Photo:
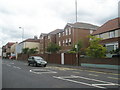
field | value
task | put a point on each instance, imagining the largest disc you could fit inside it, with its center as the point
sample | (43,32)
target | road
(17,74)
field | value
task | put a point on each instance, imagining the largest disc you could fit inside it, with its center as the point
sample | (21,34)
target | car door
(30,59)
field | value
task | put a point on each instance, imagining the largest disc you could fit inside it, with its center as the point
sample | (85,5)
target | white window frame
(66,31)
(70,31)
(112,34)
(59,34)
(59,43)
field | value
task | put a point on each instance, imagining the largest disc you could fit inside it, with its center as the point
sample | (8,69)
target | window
(116,33)
(69,41)
(48,37)
(66,31)
(59,34)
(69,31)
(63,42)
(112,34)
(66,42)
(63,33)
(59,43)
(91,31)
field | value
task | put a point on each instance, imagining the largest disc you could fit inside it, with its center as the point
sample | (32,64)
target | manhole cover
(40,71)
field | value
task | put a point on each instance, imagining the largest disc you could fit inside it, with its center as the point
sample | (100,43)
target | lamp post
(22,36)
(22,32)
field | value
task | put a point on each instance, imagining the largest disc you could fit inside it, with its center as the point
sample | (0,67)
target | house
(42,42)
(6,50)
(72,33)
(110,34)
(28,43)
(46,39)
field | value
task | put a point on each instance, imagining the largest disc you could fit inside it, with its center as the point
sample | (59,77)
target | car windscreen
(38,58)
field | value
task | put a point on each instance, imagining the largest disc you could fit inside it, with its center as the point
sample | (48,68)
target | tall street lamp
(22,36)
(22,32)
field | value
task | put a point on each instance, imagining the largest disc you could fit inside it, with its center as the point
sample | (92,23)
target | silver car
(36,61)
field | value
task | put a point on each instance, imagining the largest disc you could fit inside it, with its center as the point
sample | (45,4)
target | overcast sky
(43,16)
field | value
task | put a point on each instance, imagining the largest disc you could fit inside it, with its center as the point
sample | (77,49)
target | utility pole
(76,9)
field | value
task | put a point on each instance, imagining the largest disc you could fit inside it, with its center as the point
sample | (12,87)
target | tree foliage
(29,51)
(79,48)
(53,48)
(95,49)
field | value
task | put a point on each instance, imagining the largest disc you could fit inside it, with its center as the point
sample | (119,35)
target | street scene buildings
(66,38)
(56,45)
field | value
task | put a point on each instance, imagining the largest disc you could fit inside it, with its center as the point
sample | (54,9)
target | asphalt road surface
(17,74)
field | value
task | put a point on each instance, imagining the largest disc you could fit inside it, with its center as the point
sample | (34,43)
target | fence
(71,59)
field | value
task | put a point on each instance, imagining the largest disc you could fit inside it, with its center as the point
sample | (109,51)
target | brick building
(110,33)
(6,49)
(46,39)
(72,33)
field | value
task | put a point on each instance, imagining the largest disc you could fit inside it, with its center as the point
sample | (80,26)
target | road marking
(102,72)
(93,75)
(16,67)
(75,72)
(61,68)
(102,83)
(8,65)
(113,78)
(78,82)
(41,71)
(11,63)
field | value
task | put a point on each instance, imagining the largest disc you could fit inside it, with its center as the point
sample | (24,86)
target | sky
(44,16)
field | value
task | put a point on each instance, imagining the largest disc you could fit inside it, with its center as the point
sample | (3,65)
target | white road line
(93,75)
(16,67)
(93,79)
(8,65)
(78,82)
(104,83)
(41,71)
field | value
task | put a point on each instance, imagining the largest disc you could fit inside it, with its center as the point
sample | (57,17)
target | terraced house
(110,33)
(72,33)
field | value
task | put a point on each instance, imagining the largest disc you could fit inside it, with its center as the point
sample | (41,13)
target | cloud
(43,16)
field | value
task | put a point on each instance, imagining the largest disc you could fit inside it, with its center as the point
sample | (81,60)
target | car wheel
(35,64)
(45,65)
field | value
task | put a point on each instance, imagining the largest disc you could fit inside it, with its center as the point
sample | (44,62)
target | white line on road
(41,71)
(16,67)
(8,65)
(105,83)
(78,82)
(93,75)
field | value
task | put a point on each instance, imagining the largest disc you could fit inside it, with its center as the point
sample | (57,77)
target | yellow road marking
(113,78)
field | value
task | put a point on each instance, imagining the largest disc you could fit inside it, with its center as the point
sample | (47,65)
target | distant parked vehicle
(36,61)
(13,56)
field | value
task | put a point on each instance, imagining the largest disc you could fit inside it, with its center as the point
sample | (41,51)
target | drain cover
(40,71)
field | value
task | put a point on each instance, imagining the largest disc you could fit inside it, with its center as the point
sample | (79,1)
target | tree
(53,48)
(29,51)
(95,49)
(32,51)
(25,50)
(79,48)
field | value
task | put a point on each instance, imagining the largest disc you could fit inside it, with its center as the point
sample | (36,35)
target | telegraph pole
(76,9)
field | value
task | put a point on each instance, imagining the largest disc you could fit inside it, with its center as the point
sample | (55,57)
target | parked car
(13,56)
(36,61)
